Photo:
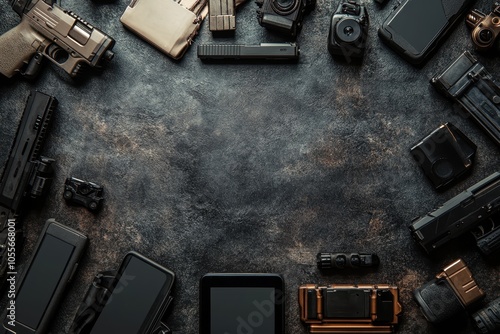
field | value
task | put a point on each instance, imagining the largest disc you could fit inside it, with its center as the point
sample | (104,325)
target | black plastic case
(421,15)
(66,237)
(99,293)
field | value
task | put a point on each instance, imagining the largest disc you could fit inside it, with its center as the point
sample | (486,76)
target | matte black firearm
(268,51)
(469,211)
(49,31)
(26,175)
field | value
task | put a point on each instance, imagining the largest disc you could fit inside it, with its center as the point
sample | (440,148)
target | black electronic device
(348,30)
(242,303)
(139,296)
(445,155)
(41,286)
(415,28)
(284,16)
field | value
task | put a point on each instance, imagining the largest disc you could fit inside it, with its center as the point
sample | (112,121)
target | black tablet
(242,303)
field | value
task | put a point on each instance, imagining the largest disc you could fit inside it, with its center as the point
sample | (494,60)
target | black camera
(283,15)
(348,30)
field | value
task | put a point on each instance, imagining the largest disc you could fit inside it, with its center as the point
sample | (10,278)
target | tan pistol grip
(17,47)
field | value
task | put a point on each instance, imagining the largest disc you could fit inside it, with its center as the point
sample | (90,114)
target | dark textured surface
(251,167)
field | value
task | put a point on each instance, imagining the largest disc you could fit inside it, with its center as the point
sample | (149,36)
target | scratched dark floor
(251,167)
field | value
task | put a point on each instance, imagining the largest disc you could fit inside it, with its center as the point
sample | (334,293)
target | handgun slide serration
(261,51)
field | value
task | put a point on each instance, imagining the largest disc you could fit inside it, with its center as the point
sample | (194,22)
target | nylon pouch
(167,24)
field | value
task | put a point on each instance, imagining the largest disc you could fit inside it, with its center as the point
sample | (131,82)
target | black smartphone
(138,299)
(415,28)
(41,286)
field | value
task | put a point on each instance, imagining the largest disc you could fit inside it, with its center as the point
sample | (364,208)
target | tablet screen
(242,310)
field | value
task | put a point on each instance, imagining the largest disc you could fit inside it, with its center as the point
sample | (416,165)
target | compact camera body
(344,308)
(485,28)
(348,30)
(284,16)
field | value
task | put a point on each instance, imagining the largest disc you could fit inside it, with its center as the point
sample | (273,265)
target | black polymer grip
(262,51)
(487,320)
(437,301)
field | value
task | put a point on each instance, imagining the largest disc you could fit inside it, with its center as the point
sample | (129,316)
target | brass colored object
(344,308)
(485,28)
(461,281)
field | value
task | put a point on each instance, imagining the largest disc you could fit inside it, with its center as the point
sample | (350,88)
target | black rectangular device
(138,299)
(41,286)
(467,82)
(242,303)
(415,28)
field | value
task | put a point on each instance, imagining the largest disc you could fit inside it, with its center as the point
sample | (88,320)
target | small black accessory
(87,194)
(445,155)
(346,260)
(348,30)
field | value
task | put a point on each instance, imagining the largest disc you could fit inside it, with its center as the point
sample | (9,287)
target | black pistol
(469,211)
(27,175)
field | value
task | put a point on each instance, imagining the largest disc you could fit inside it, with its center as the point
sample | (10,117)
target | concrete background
(251,167)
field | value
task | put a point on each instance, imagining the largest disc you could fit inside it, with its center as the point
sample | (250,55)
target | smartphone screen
(43,277)
(136,298)
(236,309)
(419,22)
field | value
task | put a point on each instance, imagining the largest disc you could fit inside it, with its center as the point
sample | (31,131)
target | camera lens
(485,36)
(348,30)
(284,7)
